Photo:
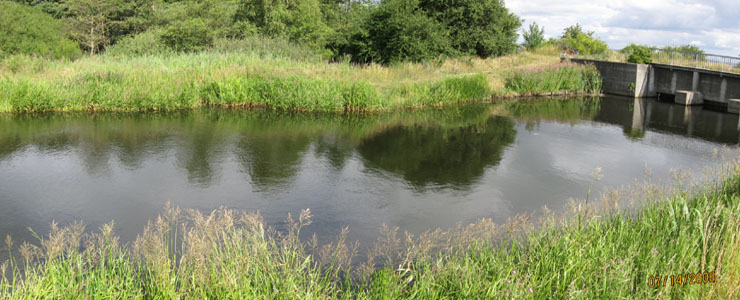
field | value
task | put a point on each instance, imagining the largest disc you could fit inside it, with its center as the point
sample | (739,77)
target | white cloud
(714,25)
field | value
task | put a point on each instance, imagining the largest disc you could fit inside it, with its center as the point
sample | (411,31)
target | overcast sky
(713,25)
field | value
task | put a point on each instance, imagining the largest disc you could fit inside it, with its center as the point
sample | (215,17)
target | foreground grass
(593,251)
(234,78)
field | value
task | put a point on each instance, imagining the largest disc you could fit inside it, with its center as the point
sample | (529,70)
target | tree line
(362,31)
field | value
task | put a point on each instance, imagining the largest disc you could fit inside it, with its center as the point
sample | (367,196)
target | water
(416,170)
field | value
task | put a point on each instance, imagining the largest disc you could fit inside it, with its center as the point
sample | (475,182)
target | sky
(713,25)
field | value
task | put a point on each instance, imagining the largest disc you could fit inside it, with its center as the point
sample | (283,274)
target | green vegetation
(386,32)
(583,42)
(555,78)
(287,55)
(285,78)
(638,54)
(602,250)
(534,37)
(28,30)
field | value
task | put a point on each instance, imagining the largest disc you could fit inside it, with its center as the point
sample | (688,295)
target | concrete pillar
(651,81)
(695,81)
(723,90)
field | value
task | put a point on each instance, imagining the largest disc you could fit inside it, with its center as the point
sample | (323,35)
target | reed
(597,250)
(232,77)
(555,78)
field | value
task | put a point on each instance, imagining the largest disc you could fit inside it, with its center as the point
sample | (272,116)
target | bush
(399,31)
(477,27)
(28,30)
(584,42)
(146,43)
(299,21)
(188,35)
(638,54)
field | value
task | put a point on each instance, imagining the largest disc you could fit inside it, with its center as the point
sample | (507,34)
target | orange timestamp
(681,279)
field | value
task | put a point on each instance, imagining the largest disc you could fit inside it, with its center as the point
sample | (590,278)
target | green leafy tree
(300,21)
(584,42)
(129,17)
(398,30)
(188,35)
(534,37)
(52,7)
(345,18)
(89,22)
(479,27)
(638,54)
(28,30)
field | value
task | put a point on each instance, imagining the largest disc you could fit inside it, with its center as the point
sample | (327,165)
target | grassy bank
(253,78)
(592,251)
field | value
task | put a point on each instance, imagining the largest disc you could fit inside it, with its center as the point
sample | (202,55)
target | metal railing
(696,60)
(706,61)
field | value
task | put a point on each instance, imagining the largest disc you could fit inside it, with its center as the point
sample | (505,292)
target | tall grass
(246,75)
(555,78)
(596,250)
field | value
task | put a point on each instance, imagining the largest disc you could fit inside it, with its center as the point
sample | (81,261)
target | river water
(417,170)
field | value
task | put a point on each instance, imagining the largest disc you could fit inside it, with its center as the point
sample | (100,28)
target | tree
(399,31)
(28,30)
(300,21)
(584,42)
(478,27)
(534,37)
(188,35)
(89,20)
(638,54)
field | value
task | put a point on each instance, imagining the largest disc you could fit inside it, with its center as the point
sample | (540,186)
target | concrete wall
(732,87)
(715,86)
(624,79)
(637,80)
(711,87)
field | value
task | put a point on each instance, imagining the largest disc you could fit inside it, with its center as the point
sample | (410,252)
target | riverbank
(251,79)
(590,251)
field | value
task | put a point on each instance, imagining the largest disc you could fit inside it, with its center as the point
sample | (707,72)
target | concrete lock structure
(688,86)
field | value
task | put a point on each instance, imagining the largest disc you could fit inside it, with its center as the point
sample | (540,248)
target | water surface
(416,170)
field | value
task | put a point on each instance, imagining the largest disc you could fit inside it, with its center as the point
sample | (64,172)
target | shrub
(188,35)
(584,42)
(638,54)
(399,31)
(28,30)
(478,27)
(146,43)
(299,21)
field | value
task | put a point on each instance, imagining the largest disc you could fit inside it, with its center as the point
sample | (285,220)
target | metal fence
(706,61)
(696,60)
